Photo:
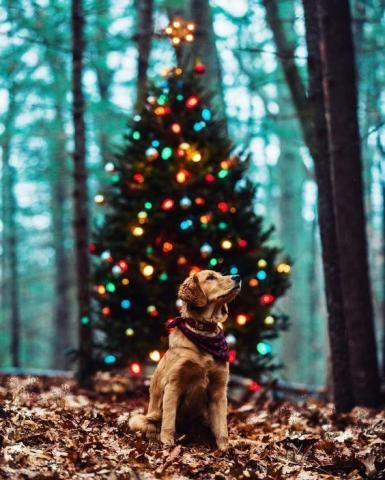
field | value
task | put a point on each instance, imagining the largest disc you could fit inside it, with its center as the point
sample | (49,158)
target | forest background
(37,267)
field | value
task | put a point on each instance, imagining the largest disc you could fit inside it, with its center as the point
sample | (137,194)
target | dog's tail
(138,423)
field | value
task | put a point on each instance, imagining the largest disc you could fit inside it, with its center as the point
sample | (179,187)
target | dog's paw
(152,431)
(167,439)
(222,443)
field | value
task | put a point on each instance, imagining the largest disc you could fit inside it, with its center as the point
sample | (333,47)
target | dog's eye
(210,277)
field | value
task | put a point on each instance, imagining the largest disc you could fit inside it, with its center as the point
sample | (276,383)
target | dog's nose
(236,278)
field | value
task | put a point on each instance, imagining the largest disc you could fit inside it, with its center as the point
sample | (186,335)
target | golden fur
(189,382)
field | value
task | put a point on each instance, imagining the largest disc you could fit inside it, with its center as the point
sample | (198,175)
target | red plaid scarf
(214,344)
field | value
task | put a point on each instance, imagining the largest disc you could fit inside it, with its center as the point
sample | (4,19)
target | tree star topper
(180,31)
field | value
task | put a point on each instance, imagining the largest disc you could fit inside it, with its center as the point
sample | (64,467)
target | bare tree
(10,287)
(204,49)
(144,31)
(340,99)
(80,195)
(341,379)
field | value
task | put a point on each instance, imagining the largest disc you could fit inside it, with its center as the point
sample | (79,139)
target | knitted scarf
(214,344)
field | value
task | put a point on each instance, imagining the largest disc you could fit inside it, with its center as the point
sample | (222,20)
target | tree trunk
(342,386)
(10,287)
(80,197)
(144,31)
(58,178)
(340,96)
(204,49)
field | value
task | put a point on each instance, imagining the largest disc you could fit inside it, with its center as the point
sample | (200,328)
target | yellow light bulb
(148,270)
(130,332)
(269,320)
(137,231)
(169,30)
(189,37)
(125,281)
(99,199)
(197,157)
(241,319)
(191,27)
(101,290)
(154,356)
(226,244)
(175,40)
(283,268)
(178,71)
(176,24)
(262,263)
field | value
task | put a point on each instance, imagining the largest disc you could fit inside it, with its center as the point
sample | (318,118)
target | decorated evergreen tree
(179,200)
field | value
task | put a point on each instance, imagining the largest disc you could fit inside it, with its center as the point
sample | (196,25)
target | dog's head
(207,289)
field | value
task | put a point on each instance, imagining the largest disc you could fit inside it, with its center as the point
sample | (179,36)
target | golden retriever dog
(190,381)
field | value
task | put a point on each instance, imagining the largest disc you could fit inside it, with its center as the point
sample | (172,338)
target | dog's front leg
(218,417)
(169,408)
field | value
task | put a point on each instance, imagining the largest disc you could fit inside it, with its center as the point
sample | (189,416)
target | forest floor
(49,429)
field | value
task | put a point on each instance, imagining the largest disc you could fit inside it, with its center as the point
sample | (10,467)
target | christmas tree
(178,200)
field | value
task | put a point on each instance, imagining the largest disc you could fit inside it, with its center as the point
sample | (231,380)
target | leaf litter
(52,430)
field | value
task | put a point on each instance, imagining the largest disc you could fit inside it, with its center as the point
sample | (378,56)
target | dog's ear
(191,292)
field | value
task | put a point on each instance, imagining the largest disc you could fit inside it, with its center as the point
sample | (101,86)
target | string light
(196,157)
(206,114)
(222,226)
(129,332)
(262,263)
(186,224)
(85,320)
(206,250)
(99,199)
(253,282)
(209,178)
(135,368)
(232,356)
(163,277)
(200,201)
(147,270)
(110,287)
(194,269)
(142,217)
(264,348)
(223,173)
(161,111)
(125,281)
(233,270)
(152,311)
(231,340)
(176,128)
(198,126)
(152,153)
(106,311)
(205,219)
(269,321)
(137,231)
(154,356)
(283,268)
(266,299)
(261,275)
(167,247)
(167,204)
(254,387)
(223,206)
(241,319)
(109,167)
(110,359)
(101,289)
(192,101)
(226,244)
(148,205)
(242,243)
(185,203)
(166,153)
(182,176)
(125,304)
(182,261)
(136,135)
(123,265)
(180,31)
(213,262)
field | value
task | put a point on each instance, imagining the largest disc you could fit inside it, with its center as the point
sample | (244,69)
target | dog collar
(214,344)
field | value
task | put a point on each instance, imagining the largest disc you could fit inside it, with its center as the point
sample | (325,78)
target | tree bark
(144,31)
(341,380)
(80,196)
(58,177)
(340,96)
(10,287)
(204,49)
